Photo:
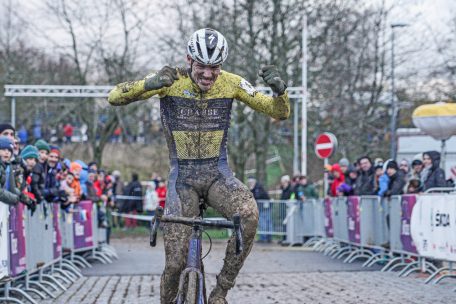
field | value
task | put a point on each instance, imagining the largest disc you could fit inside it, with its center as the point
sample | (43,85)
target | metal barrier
(44,251)
(271,216)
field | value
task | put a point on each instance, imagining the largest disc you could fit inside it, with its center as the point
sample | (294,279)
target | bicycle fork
(193,265)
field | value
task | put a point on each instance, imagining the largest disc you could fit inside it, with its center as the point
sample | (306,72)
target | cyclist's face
(204,75)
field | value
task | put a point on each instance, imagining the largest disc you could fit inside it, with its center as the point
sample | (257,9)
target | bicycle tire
(192,288)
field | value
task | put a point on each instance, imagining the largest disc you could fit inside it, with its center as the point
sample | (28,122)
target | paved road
(271,275)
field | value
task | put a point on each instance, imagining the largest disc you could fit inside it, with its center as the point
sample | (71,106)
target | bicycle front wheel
(192,288)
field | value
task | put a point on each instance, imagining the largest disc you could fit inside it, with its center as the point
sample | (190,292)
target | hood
(435,157)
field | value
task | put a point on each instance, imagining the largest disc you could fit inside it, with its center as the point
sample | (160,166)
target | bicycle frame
(193,265)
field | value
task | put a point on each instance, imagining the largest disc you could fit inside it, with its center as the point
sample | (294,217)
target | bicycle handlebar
(235,225)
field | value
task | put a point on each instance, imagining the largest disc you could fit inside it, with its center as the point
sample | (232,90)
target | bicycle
(193,272)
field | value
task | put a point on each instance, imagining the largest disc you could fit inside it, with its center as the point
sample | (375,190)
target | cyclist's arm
(130,91)
(278,107)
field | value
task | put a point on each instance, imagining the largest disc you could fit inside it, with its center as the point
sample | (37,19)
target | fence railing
(42,254)
(407,233)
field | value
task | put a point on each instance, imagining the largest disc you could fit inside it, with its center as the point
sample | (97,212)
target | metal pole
(13,111)
(443,154)
(393,102)
(304,99)
(295,138)
(326,184)
(393,152)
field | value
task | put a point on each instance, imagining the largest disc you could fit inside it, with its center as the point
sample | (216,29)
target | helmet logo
(211,38)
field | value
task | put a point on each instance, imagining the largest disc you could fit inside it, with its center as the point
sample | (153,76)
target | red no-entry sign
(325,145)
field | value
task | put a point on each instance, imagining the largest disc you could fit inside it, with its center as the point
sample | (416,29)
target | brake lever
(238,233)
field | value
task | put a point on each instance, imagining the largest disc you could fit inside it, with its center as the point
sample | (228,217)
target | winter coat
(161,192)
(286,193)
(336,181)
(259,193)
(38,180)
(396,183)
(435,176)
(8,196)
(383,183)
(365,183)
(150,199)
(308,191)
(134,188)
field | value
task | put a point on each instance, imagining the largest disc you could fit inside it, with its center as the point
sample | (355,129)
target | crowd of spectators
(386,178)
(38,173)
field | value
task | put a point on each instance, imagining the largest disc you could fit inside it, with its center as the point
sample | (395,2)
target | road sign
(325,145)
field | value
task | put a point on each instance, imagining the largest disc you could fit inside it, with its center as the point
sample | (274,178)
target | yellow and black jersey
(195,122)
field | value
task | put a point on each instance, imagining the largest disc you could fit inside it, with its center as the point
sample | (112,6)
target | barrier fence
(406,233)
(41,254)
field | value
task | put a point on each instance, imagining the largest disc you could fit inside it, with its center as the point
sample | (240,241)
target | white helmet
(207,46)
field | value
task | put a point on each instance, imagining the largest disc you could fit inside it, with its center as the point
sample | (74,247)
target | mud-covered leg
(176,240)
(230,196)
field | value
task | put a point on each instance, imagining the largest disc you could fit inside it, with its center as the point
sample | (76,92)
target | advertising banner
(329,228)
(353,214)
(82,225)
(17,239)
(4,214)
(57,237)
(433,226)
(408,202)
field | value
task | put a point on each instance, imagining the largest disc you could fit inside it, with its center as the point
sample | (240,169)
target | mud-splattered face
(204,75)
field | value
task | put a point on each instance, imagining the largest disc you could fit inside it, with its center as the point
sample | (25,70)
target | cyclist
(195,107)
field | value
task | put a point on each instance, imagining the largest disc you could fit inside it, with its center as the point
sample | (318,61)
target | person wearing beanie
(339,179)
(6,149)
(344,163)
(7,130)
(9,194)
(30,156)
(396,179)
(44,150)
(52,191)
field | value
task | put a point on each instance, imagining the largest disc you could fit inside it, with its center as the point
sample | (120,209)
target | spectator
(378,173)
(414,186)
(8,194)
(417,167)
(432,175)
(23,135)
(383,181)
(344,165)
(404,166)
(352,176)
(150,199)
(134,203)
(37,132)
(8,131)
(365,181)
(91,193)
(68,132)
(161,192)
(287,189)
(303,190)
(76,184)
(339,179)
(396,179)
(264,210)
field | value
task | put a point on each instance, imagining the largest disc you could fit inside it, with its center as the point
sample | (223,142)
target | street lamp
(393,151)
